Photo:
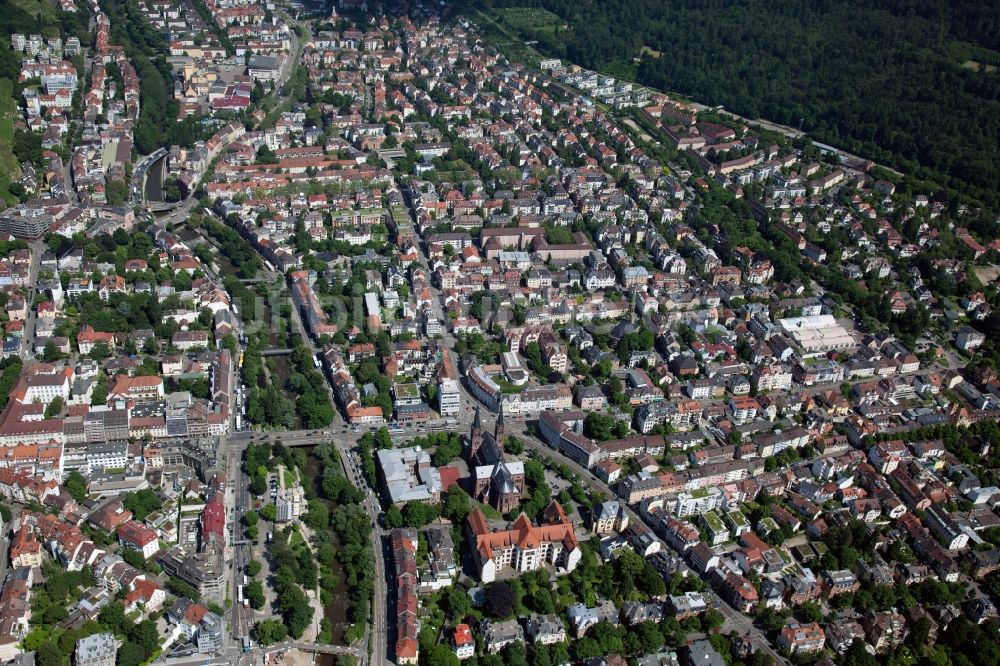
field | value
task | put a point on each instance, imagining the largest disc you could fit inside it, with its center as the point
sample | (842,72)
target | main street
(28,342)
(242,619)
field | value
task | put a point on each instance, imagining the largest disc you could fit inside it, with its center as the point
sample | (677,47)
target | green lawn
(505,40)
(489,511)
(976,66)
(36,7)
(738,518)
(713,521)
(524,19)
(9,168)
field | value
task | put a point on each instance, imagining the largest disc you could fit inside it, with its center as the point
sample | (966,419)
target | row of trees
(296,570)
(342,539)
(313,405)
(366,452)
(234,247)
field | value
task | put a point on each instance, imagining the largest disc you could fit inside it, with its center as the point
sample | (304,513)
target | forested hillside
(911,83)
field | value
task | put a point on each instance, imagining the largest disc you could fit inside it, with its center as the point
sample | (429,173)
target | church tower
(499,430)
(475,436)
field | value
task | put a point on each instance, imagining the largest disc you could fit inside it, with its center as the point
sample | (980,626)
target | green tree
(608,637)
(442,655)
(266,156)
(99,394)
(130,654)
(418,514)
(269,632)
(318,516)
(258,485)
(116,192)
(499,602)
(49,655)
(393,517)
(134,557)
(100,351)
(383,440)
(513,445)
(251,518)
(51,353)
(459,604)
(456,505)
(54,408)
(295,609)
(515,655)
(650,638)
(182,589)
(229,342)
(142,503)
(713,619)
(253,568)
(76,486)
(146,636)
(254,592)
(112,618)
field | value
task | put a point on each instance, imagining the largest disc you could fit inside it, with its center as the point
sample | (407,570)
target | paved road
(5,543)
(313,647)
(28,342)
(242,619)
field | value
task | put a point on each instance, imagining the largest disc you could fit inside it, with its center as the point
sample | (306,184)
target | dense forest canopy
(910,83)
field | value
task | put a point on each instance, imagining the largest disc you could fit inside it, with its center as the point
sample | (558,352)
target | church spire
(475,436)
(498,432)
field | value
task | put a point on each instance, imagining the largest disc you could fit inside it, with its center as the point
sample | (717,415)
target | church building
(495,481)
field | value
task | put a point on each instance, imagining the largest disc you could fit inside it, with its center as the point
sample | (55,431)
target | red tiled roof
(136,533)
